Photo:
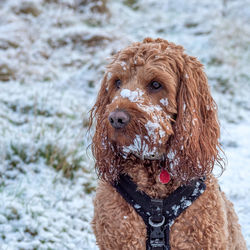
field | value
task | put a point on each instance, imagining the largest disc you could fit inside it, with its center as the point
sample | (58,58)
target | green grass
(215,61)
(133,4)
(61,159)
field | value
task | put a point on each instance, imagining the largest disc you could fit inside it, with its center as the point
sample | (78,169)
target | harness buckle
(156,221)
(157,238)
(156,224)
(156,210)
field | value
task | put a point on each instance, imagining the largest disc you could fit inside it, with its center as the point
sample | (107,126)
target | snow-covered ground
(52,56)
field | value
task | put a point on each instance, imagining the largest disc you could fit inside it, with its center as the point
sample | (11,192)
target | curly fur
(185,141)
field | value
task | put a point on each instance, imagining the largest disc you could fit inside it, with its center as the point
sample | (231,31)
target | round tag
(164,176)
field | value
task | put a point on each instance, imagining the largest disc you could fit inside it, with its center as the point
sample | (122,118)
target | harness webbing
(157,214)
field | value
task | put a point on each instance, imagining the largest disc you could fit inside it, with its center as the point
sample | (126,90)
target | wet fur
(190,147)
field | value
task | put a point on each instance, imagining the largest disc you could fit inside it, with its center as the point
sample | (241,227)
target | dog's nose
(119,119)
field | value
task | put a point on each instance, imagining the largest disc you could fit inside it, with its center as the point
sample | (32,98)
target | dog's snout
(119,119)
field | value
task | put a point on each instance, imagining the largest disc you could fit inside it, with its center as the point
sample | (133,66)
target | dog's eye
(155,85)
(118,83)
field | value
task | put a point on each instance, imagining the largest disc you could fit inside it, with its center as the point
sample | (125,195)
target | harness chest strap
(159,215)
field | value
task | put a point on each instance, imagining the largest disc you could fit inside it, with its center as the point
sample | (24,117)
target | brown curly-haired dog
(155,104)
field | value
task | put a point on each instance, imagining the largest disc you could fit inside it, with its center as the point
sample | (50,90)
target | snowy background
(52,57)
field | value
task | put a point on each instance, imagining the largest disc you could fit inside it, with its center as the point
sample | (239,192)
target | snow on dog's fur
(167,115)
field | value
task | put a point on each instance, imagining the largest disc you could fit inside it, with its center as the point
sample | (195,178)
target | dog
(157,126)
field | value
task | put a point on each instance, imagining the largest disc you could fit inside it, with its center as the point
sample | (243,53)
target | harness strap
(159,215)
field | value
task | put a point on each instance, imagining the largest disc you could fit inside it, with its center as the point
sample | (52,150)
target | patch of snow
(170,223)
(133,96)
(194,121)
(164,102)
(184,107)
(109,76)
(140,148)
(175,209)
(49,77)
(171,155)
(151,127)
(186,204)
(137,206)
(124,65)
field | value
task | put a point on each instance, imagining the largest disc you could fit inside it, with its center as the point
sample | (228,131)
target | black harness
(159,215)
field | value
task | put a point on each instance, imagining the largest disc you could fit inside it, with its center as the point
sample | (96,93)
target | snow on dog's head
(153,103)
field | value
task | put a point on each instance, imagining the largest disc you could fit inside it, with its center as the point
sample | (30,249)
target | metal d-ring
(158,224)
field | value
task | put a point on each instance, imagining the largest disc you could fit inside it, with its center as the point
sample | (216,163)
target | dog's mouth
(138,133)
(140,140)
(143,149)
(144,156)
(151,157)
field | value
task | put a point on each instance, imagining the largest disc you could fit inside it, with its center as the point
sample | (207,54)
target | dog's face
(142,105)
(154,102)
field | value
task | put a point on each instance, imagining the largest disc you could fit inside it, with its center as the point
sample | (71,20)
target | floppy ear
(102,98)
(102,149)
(194,147)
(101,102)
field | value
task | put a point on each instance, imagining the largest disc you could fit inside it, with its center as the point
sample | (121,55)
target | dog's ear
(194,147)
(101,102)
(103,152)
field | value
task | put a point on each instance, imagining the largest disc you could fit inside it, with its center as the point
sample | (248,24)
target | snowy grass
(52,57)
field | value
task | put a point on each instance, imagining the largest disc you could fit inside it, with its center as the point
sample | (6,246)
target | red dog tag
(164,176)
